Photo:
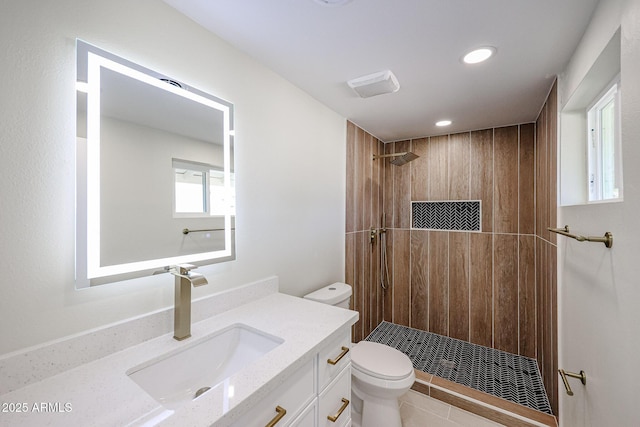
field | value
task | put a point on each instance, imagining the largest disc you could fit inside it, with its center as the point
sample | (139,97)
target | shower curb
(483,404)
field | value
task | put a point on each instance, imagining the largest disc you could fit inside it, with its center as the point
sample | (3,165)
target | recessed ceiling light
(479,55)
(332,2)
(443,123)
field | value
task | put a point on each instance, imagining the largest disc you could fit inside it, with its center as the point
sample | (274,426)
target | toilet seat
(380,361)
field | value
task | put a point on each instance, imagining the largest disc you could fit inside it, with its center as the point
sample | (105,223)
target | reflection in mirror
(191,191)
(154,158)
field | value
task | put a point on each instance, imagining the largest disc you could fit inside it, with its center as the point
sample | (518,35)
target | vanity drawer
(293,395)
(335,401)
(331,352)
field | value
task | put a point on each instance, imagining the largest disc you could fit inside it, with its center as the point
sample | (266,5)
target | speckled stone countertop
(99,393)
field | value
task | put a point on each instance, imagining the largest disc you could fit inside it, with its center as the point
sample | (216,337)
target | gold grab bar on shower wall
(607,239)
(582,376)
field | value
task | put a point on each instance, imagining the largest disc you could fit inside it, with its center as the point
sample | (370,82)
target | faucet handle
(183,268)
(187,267)
(184,271)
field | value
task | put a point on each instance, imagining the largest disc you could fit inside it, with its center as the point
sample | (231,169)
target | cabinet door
(331,352)
(285,402)
(334,404)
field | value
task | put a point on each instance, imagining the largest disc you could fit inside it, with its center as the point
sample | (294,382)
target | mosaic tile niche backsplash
(453,216)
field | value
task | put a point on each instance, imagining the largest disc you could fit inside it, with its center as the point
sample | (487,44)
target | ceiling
(319,48)
(125,95)
(128,99)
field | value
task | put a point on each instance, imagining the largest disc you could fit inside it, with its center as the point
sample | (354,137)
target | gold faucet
(182,310)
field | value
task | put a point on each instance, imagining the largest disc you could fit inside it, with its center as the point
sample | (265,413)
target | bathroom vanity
(319,392)
(277,369)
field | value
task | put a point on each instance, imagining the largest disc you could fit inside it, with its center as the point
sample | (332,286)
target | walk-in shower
(514,378)
(398,159)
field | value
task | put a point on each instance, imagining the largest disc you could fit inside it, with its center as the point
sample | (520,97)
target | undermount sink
(182,375)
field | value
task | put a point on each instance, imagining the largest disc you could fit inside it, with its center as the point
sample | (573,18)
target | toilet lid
(380,361)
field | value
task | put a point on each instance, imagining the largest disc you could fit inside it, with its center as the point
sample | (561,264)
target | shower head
(403,158)
(399,159)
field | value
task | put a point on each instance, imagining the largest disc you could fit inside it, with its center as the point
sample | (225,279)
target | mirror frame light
(97,59)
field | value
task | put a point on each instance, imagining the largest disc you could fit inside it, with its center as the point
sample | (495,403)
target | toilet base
(356,419)
(372,411)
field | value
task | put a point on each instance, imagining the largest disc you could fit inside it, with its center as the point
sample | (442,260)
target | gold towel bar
(607,239)
(582,376)
(187,231)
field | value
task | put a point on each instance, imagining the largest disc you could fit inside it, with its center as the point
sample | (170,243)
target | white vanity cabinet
(317,395)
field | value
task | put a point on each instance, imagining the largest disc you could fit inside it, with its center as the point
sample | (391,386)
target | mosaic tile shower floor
(505,375)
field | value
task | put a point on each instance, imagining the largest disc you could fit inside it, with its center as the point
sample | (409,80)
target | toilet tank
(337,294)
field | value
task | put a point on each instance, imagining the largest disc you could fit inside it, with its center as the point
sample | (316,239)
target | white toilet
(379,373)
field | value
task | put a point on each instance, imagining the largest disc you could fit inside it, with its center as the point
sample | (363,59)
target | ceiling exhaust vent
(332,3)
(375,84)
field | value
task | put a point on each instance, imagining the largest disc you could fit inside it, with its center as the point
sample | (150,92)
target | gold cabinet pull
(345,350)
(334,418)
(281,413)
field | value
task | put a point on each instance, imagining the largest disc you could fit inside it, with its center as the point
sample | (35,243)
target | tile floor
(418,410)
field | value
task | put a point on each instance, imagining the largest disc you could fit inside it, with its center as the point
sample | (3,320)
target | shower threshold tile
(504,375)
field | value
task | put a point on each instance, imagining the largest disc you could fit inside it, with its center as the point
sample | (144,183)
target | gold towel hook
(582,376)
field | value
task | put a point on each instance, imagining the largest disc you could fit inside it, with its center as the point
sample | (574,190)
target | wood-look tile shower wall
(497,287)
(546,250)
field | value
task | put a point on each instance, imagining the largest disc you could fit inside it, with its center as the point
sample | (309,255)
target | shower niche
(447,215)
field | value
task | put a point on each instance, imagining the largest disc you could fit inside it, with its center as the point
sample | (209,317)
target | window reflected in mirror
(191,193)
(192,187)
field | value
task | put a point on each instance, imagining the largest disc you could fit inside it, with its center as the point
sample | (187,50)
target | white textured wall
(599,287)
(290,158)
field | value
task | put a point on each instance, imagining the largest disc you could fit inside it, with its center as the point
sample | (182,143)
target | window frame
(596,169)
(203,168)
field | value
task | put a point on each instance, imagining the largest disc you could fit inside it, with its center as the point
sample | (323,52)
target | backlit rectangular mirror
(155,171)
